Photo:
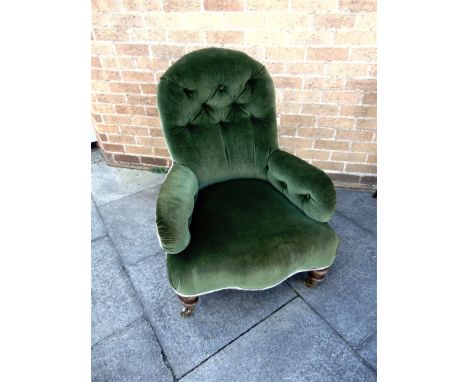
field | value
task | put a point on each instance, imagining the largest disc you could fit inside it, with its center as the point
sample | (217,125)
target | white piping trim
(244,289)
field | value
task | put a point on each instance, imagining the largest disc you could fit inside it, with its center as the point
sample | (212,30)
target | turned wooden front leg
(316,277)
(189,305)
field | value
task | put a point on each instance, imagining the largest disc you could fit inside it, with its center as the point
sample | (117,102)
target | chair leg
(189,305)
(315,277)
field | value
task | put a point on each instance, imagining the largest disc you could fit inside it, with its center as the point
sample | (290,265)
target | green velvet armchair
(235,211)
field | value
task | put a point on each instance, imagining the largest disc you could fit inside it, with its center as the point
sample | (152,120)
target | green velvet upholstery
(234,210)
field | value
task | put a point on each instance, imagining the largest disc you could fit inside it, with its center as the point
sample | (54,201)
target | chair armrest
(174,208)
(306,186)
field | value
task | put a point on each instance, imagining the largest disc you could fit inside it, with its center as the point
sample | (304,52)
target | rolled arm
(306,186)
(174,208)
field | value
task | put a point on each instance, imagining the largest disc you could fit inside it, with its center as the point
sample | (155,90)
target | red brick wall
(320,53)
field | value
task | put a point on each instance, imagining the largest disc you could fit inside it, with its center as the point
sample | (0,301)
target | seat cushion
(247,235)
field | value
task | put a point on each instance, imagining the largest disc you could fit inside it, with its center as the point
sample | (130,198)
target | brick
(305,69)
(363,54)
(185,37)
(355,37)
(132,76)
(366,123)
(141,100)
(344,69)
(154,161)
(149,35)
(287,82)
(110,34)
(133,130)
(129,109)
(225,37)
(358,5)
(117,119)
(315,132)
(97,118)
(342,97)
(124,87)
(142,150)
(132,49)
(313,154)
(327,54)
(102,48)
(348,157)
(103,137)
(287,131)
(110,98)
(102,108)
(354,135)
(146,121)
(333,20)
(148,88)
(288,108)
(318,109)
(267,5)
(314,5)
(365,84)
(344,178)
(159,141)
(285,54)
(167,51)
(113,148)
(104,5)
(155,132)
(297,120)
(369,180)
(324,83)
(181,5)
(328,165)
(307,38)
(141,5)
(151,111)
(109,62)
(98,74)
(364,147)
(275,67)
(371,159)
(369,99)
(223,5)
(95,62)
(335,122)
(301,96)
(266,38)
(127,139)
(366,21)
(126,20)
(372,71)
(107,129)
(294,142)
(359,111)
(161,152)
(101,86)
(127,158)
(331,145)
(361,168)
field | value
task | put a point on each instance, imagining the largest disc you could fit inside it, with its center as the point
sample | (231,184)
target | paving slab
(294,344)
(97,225)
(359,206)
(112,183)
(219,317)
(347,299)
(368,350)
(113,300)
(131,225)
(130,355)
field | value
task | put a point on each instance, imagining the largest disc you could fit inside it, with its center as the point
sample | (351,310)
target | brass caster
(187,311)
(315,277)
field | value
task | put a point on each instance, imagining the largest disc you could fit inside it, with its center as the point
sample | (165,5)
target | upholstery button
(221,87)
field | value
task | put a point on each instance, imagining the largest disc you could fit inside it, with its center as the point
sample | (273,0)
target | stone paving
(287,333)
